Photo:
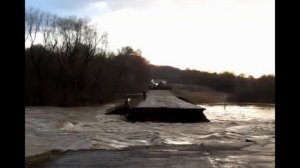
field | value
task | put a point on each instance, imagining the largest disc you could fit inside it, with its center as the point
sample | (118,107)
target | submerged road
(169,156)
(239,137)
(164,99)
(164,106)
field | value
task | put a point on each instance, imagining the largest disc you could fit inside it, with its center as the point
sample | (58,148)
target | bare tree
(70,56)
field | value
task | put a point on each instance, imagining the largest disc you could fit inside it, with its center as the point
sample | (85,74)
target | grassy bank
(198,94)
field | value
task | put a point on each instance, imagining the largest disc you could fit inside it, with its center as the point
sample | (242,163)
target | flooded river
(89,128)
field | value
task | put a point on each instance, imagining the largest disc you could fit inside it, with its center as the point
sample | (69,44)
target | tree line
(240,88)
(67,63)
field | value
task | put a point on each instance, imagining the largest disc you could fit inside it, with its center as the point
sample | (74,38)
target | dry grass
(198,94)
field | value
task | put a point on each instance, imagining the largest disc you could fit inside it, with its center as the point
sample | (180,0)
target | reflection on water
(239,113)
(89,128)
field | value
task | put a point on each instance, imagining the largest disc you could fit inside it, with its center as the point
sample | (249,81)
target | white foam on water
(64,128)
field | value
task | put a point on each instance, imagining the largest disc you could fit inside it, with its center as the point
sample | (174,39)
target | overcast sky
(207,35)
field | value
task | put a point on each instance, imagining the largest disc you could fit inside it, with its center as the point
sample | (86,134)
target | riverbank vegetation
(206,87)
(68,63)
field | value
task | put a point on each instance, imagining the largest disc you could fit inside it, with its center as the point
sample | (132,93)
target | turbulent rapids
(89,128)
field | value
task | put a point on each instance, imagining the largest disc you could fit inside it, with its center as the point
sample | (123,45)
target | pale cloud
(211,35)
(60,4)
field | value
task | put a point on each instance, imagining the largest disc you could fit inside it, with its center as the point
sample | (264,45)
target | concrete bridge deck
(164,106)
(164,99)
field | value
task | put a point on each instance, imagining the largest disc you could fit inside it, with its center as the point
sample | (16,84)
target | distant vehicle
(158,84)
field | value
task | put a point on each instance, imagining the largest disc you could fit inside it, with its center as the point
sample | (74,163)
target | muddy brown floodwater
(50,128)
